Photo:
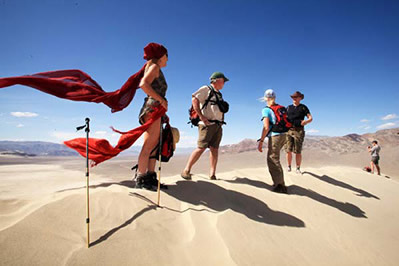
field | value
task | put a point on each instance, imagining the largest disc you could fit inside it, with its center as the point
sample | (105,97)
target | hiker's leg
(273,159)
(213,157)
(151,139)
(214,143)
(151,165)
(289,145)
(299,138)
(195,155)
(372,167)
(376,163)
(289,158)
(298,159)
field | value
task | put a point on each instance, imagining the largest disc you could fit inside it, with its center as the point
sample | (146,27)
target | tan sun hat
(176,136)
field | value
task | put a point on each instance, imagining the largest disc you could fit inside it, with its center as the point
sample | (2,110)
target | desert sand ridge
(332,215)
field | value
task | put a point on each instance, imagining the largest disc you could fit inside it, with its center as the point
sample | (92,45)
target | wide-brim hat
(298,94)
(176,136)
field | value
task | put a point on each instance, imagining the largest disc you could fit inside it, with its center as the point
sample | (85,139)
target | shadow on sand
(219,199)
(345,207)
(116,229)
(125,183)
(338,183)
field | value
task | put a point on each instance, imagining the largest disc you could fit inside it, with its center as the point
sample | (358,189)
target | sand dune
(333,215)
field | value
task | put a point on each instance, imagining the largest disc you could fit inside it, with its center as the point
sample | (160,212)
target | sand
(333,215)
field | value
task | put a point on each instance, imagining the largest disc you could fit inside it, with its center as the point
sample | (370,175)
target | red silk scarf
(76,85)
(100,149)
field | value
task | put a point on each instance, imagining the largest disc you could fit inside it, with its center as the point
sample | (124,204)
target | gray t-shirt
(375,151)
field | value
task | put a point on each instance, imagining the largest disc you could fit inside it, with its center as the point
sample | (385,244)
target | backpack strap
(211,92)
(217,102)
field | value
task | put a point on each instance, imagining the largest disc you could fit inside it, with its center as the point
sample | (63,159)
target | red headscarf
(154,50)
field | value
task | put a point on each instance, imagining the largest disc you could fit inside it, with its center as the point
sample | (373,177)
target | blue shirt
(267,112)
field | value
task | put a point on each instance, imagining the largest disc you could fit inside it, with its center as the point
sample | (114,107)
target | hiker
(375,156)
(206,103)
(154,85)
(276,141)
(296,134)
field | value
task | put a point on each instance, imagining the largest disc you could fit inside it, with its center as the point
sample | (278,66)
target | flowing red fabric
(100,149)
(76,85)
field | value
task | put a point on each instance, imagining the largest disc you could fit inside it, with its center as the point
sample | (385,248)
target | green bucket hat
(218,75)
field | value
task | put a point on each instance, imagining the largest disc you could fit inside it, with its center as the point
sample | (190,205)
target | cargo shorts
(209,136)
(295,137)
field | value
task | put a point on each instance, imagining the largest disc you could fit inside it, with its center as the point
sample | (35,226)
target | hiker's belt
(297,128)
(217,122)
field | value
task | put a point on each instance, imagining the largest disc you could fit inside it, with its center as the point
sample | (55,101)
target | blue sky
(343,55)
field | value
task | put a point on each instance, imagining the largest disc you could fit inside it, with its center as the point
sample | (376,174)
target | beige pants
(275,145)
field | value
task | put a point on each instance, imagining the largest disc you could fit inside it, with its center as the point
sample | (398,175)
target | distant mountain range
(352,143)
(34,148)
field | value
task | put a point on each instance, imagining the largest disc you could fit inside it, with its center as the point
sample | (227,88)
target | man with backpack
(275,126)
(296,134)
(208,107)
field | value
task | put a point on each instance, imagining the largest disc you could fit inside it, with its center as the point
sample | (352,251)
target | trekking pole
(87,130)
(160,163)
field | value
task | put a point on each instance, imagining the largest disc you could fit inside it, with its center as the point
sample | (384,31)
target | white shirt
(211,111)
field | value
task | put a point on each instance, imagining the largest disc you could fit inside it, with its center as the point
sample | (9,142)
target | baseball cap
(270,94)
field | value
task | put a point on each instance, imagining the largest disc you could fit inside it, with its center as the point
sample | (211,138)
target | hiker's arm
(145,85)
(264,133)
(196,106)
(305,122)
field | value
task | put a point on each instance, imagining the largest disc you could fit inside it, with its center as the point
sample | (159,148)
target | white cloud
(364,121)
(386,125)
(23,114)
(62,136)
(100,133)
(389,117)
(20,125)
(312,131)
(365,127)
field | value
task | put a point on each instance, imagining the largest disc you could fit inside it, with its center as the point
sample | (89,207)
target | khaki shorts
(295,138)
(209,136)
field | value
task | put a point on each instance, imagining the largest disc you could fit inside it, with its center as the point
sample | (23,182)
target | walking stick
(87,130)
(160,163)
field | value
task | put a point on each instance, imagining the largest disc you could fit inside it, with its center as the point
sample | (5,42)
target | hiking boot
(144,181)
(298,170)
(139,181)
(289,168)
(152,180)
(186,175)
(212,177)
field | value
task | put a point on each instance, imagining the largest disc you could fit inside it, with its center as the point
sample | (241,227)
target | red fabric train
(100,149)
(76,85)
